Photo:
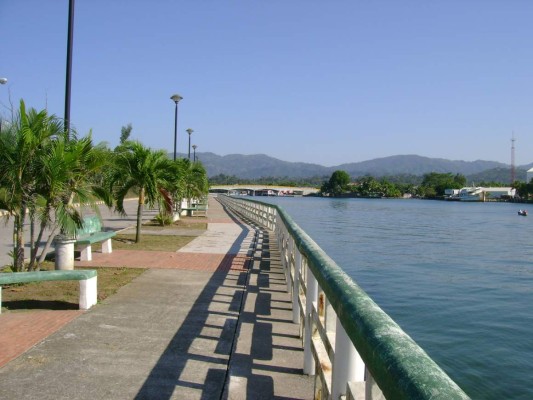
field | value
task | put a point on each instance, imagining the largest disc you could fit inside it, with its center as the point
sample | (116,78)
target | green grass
(150,242)
(63,295)
(185,223)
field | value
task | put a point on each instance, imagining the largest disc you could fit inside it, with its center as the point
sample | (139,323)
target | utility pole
(512,159)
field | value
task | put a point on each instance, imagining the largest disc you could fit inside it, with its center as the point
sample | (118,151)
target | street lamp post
(175,98)
(70,38)
(190,131)
(194,148)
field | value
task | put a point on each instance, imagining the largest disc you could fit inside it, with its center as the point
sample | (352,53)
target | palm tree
(21,146)
(196,183)
(190,181)
(139,168)
(43,172)
(67,175)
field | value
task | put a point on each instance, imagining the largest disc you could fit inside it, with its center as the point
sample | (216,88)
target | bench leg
(86,252)
(106,246)
(88,293)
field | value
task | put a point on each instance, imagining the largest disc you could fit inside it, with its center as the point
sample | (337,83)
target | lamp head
(3,81)
(189,131)
(176,98)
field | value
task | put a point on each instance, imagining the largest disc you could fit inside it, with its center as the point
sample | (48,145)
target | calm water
(457,277)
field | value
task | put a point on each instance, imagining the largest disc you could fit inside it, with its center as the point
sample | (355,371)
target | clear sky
(327,82)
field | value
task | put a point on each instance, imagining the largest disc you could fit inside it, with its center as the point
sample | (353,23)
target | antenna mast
(512,159)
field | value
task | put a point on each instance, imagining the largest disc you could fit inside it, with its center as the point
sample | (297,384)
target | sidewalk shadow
(263,330)
(183,368)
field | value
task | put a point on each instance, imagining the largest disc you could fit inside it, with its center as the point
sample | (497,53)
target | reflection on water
(338,205)
(457,277)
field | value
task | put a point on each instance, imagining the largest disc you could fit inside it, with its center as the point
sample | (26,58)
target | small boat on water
(522,212)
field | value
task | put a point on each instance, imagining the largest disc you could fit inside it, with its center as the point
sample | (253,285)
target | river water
(457,277)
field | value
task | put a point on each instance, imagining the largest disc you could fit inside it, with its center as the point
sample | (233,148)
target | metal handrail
(349,342)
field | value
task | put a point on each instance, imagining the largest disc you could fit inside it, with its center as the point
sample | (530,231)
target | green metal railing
(352,346)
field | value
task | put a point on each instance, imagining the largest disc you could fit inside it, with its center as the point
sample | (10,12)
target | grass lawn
(150,242)
(63,295)
(183,223)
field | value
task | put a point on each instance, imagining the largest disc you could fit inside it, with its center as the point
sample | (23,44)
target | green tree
(68,168)
(41,173)
(439,182)
(144,170)
(21,146)
(337,184)
(195,181)
(369,187)
(125,133)
(189,181)
(389,189)
(523,189)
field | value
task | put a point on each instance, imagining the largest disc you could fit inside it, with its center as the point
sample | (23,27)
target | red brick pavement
(21,331)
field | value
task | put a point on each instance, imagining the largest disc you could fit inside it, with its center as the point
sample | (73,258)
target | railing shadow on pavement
(173,371)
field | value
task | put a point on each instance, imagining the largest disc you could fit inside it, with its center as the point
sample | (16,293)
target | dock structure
(210,321)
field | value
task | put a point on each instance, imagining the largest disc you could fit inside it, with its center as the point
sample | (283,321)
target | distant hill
(258,166)
(261,166)
(416,165)
(502,175)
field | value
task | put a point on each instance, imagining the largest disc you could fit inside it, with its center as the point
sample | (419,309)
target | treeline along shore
(434,185)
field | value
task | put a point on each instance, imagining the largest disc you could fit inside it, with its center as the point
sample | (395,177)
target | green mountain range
(260,165)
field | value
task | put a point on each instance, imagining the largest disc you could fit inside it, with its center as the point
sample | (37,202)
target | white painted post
(88,293)
(64,253)
(107,247)
(311,297)
(347,365)
(372,390)
(290,249)
(331,318)
(296,287)
(86,252)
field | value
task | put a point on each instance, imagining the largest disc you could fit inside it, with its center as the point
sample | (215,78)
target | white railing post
(331,317)
(372,390)
(290,269)
(296,287)
(347,364)
(310,298)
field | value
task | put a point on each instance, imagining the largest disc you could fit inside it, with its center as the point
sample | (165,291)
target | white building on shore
(483,193)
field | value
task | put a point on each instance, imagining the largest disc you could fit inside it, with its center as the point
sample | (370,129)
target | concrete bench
(195,210)
(201,209)
(90,233)
(87,278)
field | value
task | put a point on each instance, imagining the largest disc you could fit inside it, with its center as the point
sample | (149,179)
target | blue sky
(327,82)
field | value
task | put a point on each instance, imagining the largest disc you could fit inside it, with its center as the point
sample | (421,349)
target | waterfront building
(484,193)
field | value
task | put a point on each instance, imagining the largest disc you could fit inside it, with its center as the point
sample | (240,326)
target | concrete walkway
(216,324)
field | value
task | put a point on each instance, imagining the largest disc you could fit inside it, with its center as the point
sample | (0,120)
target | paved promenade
(209,321)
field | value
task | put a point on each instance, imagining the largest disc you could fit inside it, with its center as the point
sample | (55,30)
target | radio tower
(512,160)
